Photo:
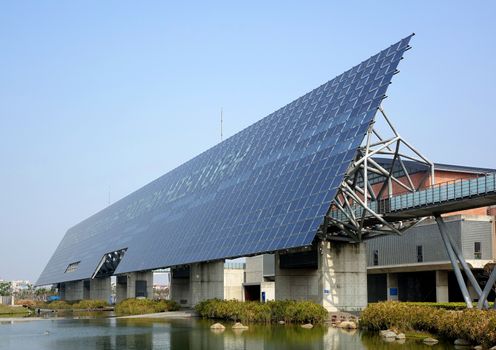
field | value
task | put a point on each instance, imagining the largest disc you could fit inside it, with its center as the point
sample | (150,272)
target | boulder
(282,322)
(430,341)
(217,326)
(387,334)
(308,325)
(478,347)
(347,325)
(400,336)
(462,342)
(239,325)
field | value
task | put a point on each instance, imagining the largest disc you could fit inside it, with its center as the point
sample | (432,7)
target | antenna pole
(221,121)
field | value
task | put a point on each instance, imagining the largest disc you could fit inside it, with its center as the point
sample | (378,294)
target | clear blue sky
(116,93)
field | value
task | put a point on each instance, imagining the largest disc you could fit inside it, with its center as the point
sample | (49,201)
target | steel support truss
(355,213)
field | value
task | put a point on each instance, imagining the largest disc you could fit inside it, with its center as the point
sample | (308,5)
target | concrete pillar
(392,286)
(100,289)
(180,290)
(339,283)
(120,288)
(442,294)
(135,280)
(207,281)
(74,290)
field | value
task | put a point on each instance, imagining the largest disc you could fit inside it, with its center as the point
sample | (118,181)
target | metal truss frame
(109,263)
(355,213)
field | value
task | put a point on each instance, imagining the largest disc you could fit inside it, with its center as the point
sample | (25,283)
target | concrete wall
(254,269)
(180,290)
(233,283)
(464,229)
(339,283)
(269,288)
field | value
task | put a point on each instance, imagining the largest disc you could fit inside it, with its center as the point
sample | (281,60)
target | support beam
(487,289)
(454,262)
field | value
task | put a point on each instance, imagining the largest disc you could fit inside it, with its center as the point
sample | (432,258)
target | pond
(142,334)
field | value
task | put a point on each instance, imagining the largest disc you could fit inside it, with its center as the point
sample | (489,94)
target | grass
(476,326)
(289,311)
(13,310)
(144,306)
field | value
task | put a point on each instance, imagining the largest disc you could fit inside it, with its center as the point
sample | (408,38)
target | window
(72,267)
(376,257)
(420,253)
(477,250)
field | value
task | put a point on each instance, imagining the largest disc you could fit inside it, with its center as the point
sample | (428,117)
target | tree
(5,288)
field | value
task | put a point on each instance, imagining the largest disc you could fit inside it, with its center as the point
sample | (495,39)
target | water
(142,334)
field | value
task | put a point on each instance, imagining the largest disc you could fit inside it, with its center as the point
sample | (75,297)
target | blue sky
(111,95)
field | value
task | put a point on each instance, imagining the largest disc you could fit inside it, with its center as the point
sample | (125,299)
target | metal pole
(464,264)
(487,289)
(454,263)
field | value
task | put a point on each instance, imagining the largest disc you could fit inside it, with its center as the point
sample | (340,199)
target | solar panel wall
(264,189)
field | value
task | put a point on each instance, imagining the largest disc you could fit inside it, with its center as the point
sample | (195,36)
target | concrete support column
(392,286)
(180,290)
(206,281)
(120,288)
(74,290)
(100,289)
(442,294)
(136,280)
(339,283)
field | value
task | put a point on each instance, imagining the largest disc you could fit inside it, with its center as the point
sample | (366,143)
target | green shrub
(90,304)
(58,305)
(144,306)
(254,311)
(477,326)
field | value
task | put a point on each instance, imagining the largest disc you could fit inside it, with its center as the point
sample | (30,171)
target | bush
(58,305)
(254,311)
(144,306)
(26,303)
(476,326)
(90,304)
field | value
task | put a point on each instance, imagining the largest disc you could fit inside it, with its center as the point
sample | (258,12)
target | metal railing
(436,194)
(440,193)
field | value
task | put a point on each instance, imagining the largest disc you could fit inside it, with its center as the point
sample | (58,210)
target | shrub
(144,306)
(59,305)
(90,304)
(477,326)
(254,311)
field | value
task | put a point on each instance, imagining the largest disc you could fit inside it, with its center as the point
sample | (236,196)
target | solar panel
(264,189)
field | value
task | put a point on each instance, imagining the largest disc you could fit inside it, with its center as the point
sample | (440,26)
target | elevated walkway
(437,199)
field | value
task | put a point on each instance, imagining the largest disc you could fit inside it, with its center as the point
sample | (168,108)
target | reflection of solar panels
(264,189)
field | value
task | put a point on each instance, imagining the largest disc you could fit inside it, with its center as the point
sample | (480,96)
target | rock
(400,336)
(347,325)
(239,325)
(430,341)
(493,348)
(282,322)
(462,342)
(217,326)
(308,325)
(388,334)
(478,347)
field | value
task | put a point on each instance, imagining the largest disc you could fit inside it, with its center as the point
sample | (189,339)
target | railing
(436,194)
(440,193)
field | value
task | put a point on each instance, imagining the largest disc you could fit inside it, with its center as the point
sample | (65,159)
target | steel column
(454,263)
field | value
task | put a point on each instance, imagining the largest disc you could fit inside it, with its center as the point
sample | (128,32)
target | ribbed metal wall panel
(477,231)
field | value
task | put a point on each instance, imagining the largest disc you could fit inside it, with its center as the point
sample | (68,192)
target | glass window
(376,257)
(477,250)
(420,253)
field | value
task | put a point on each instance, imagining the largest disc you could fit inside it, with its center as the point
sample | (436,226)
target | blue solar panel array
(264,189)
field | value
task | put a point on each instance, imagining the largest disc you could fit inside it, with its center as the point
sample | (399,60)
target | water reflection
(181,334)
